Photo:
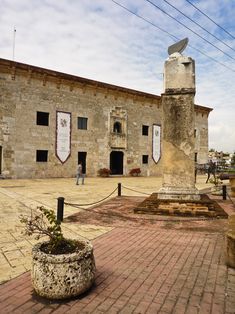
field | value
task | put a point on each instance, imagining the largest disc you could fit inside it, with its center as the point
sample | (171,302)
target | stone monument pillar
(178,129)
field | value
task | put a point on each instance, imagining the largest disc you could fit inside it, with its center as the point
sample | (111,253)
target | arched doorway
(116,162)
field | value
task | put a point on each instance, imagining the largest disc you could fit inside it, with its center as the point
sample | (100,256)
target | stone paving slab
(20,196)
(142,270)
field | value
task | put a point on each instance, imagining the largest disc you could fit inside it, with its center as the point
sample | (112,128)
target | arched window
(117,127)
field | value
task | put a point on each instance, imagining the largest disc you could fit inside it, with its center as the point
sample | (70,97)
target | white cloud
(101,41)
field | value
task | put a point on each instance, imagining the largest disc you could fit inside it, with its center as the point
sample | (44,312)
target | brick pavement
(142,266)
(142,270)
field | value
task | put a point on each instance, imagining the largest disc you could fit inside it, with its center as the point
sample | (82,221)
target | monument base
(203,207)
(174,193)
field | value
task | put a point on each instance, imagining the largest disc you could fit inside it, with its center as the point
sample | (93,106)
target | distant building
(221,159)
(49,121)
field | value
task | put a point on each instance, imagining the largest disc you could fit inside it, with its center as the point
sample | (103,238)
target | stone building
(49,121)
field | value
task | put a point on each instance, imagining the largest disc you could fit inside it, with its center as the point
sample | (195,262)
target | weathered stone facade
(118,131)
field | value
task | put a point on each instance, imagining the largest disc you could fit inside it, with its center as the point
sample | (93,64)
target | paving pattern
(145,264)
(19,197)
(143,271)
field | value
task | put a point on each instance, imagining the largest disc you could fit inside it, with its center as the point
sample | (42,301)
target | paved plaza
(144,264)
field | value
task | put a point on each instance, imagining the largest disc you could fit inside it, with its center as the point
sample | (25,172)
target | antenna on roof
(14,39)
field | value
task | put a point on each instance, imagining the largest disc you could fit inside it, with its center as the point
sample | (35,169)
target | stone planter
(64,275)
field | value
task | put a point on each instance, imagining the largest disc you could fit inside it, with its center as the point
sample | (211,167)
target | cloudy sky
(101,40)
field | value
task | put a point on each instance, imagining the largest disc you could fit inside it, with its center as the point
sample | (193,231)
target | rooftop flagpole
(14,38)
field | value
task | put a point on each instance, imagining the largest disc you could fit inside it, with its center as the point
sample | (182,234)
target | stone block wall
(26,90)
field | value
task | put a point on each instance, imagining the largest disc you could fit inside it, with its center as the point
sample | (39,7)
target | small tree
(43,222)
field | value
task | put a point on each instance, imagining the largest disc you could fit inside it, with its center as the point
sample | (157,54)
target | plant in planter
(216,190)
(135,172)
(61,268)
(104,172)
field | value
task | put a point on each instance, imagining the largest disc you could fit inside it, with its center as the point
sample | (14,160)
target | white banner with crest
(156,143)
(63,135)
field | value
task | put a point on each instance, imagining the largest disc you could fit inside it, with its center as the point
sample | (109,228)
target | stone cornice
(13,68)
(46,74)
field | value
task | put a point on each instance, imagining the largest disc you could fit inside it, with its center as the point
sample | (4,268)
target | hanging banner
(63,135)
(156,143)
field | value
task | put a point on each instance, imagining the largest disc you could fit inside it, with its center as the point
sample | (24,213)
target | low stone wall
(230,243)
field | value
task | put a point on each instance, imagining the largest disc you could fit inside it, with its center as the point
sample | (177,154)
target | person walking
(80,173)
(211,170)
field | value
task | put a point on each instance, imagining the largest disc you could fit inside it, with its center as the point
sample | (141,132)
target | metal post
(119,189)
(224,187)
(60,209)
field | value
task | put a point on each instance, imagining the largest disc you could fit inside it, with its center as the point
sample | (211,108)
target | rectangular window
(195,157)
(145,130)
(41,155)
(145,159)
(42,118)
(82,123)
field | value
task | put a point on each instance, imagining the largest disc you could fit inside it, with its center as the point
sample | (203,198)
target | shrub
(135,172)
(104,172)
(216,181)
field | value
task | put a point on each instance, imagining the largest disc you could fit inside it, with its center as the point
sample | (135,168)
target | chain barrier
(120,215)
(89,204)
(134,190)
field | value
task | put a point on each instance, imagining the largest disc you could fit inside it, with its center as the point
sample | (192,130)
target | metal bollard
(119,189)
(224,189)
(60,209)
